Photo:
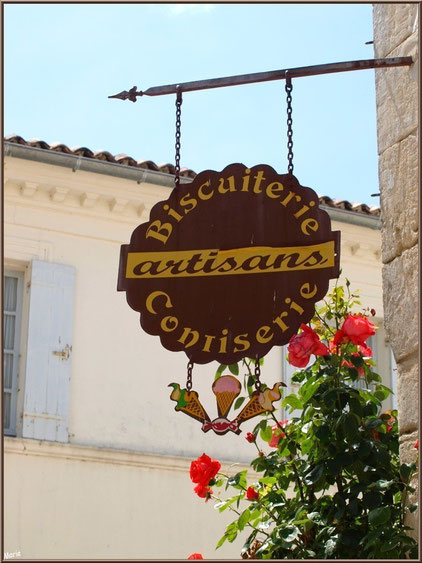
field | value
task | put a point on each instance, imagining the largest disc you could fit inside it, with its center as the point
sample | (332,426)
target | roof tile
(168,168)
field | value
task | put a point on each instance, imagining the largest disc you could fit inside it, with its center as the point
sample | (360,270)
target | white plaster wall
(59,506)
(64,502)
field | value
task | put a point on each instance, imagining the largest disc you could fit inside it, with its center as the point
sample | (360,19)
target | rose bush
(332,485)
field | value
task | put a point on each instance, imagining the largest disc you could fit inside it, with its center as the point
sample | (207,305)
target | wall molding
(76,452)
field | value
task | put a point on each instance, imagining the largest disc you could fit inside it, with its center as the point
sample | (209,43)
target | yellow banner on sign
(212,262)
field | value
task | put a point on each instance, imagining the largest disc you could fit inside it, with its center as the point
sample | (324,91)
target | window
(36,400)
(13,283)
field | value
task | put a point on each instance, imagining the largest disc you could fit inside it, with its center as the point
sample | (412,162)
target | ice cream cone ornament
(226,388)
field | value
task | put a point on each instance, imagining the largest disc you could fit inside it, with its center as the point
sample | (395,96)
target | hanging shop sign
(231,264)
(227,267)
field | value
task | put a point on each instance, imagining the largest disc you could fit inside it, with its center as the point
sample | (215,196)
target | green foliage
(333,487)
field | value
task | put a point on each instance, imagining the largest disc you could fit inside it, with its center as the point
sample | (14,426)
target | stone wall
(396,34)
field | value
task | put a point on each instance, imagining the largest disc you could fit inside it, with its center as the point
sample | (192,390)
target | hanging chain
(257,375)
(189,379)
(289,88)
(178,135)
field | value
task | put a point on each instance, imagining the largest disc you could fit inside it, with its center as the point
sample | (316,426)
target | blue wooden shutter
(49,352)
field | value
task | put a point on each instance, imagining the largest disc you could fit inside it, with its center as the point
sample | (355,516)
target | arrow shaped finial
(125,95)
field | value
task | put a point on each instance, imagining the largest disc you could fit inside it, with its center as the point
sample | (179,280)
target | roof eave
(142,175)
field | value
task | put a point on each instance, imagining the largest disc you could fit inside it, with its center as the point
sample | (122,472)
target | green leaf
(372,423)
(334,465)
(356,406)
(307,445)
(231,532)
(405,471)
(289,534)
(244,519)
(372,499)
(323,433)
(221,541)
(365,448)
(369,409)
(315,475)
(390,545)
(266,433)
(330,547)
(383,484)
(352,507)
(234,368)
(268,480)
(357,361)
(351,426)
(345,459)
(308,389)
(293,401)
(238,402)
(381,394)
(379,516)
(219,371)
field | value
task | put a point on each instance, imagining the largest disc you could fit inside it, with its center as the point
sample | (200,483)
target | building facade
(96,459)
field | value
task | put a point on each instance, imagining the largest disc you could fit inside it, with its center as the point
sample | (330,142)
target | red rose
(195,556)
(302,345)
(251,494)
(203,469)
(357,328)
(417,445)
(278,433)
(203,491)
(250,437)
(338,340)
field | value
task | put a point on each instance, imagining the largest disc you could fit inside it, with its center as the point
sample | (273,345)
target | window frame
(19,275)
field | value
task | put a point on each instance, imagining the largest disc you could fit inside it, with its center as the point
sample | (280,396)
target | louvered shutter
(49,352)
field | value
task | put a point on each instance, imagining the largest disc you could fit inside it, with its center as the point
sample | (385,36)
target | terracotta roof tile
(168,168)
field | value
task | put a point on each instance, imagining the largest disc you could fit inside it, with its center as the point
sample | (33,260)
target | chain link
(289,88)
(189,379)
(257,375)
(178,135)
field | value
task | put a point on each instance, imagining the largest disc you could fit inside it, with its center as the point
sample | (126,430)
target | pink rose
(302,345)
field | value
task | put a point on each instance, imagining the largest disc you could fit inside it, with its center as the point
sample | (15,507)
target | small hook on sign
(288,79)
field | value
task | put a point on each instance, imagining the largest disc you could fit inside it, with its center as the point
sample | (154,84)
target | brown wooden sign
(231,264)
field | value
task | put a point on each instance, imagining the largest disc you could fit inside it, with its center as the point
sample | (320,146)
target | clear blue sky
(62,61)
